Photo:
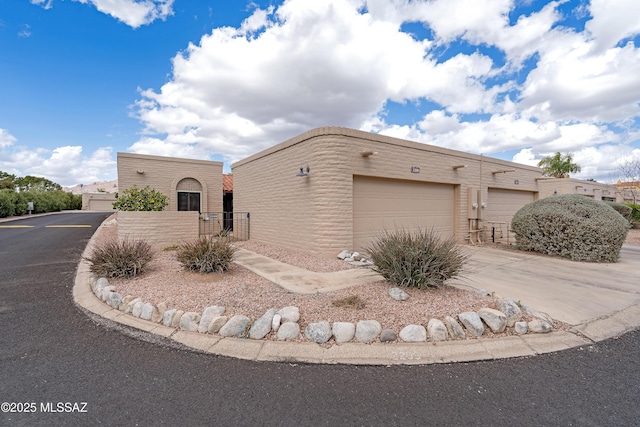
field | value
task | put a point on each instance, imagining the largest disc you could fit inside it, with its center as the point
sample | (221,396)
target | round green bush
(571,226)
(421,259)
(622,209)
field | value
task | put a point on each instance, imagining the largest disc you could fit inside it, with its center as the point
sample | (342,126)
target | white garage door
(387,204)
(503,204)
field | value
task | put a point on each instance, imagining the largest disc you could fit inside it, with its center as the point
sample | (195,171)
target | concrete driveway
(571,292)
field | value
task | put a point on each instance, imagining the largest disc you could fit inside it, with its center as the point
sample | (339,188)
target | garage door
(387,204)
(503,204)
(100,205)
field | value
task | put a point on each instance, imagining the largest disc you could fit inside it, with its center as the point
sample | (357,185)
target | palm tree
(559,165)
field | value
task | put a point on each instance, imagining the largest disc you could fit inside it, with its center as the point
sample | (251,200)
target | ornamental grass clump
(120,258)
(420,259)
(571,226)
(207,254)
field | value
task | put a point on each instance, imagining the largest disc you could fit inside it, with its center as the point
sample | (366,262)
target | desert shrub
(140,199)
(120,258)
(354,301)
(206,254)
(571,226)
(622,209)
(419,259)
(635,215)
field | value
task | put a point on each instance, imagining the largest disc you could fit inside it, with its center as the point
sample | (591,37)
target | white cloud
(305,64)
(613,21)
(134,13)
(65,165)
(6,139)
(25,32)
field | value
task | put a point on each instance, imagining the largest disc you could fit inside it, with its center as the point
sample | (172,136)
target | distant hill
(106,186)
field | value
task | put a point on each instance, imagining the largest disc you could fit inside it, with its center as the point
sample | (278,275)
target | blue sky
(516,79)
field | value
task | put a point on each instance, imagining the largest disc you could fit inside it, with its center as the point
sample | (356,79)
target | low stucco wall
(161,229)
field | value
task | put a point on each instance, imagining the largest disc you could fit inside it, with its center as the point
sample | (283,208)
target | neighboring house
(191,185)
(98,201)
(593,189)
(334,188)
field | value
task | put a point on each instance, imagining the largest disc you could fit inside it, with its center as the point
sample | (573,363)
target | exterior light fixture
(140,171)
(368,153)
(304,171)
(456,167)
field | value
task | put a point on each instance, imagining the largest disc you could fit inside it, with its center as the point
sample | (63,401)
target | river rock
(413,333)
(175,321)
(235,327)
(538,326)
(147,311)
(137,309)
(511,310)
(398,294)
(262,326)
(207,316)
(521,328)
(367,330)
(495,320)
(472,323)
(436,330)
(167,316)
(318,332)
(189,321)
(288,331)
(454,329)
(275,323)
(388,335)
(216,324)
(343,331)
(289,314)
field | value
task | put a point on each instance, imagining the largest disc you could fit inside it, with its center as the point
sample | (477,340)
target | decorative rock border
(284,322)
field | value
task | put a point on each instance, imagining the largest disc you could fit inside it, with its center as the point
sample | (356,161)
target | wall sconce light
(303,171)
(484,205)
(555,192)
(368,153)
(474,205)
(140,171)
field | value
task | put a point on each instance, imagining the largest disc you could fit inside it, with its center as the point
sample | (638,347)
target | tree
(629,176)
(36,183)
(7,180)
(559,165)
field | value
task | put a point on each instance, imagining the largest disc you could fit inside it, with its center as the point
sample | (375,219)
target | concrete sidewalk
(600,301)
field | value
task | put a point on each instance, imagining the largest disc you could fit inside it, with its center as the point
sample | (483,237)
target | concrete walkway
(600,300)
(303,281)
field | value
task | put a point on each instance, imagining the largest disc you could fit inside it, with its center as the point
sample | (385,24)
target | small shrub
(136,199)
(353,301)
(571,226)
(207,254)
(635,215)
(420,259)
(124,258)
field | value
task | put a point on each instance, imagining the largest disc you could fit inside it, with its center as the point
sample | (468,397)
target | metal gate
(235,225)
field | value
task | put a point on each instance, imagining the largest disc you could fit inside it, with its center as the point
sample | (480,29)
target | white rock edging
(283,324)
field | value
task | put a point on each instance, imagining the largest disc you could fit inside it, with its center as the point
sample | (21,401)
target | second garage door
(388,204)
(503,204)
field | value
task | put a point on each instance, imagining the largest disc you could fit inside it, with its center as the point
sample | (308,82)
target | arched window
(189,194)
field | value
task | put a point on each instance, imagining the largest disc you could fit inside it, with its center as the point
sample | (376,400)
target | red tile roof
(227,183)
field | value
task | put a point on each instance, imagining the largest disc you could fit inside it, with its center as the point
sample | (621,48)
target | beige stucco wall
(552,186)
(161,229)
(98,201)
(164,173)
(314,213)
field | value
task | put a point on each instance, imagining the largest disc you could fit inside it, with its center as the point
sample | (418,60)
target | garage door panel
(380,204)
(503,204)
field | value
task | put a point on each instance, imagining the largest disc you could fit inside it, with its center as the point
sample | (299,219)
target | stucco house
(334,188)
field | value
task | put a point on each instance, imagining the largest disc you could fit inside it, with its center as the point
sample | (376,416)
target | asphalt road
(51,352)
